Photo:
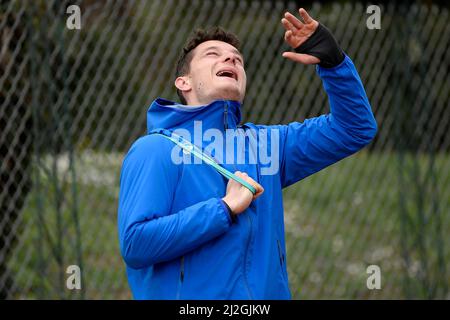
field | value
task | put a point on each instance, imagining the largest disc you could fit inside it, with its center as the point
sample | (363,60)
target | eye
(210,53)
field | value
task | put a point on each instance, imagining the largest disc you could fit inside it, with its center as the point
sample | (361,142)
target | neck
(197,103)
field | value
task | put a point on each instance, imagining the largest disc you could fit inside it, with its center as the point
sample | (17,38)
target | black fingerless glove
(321,44)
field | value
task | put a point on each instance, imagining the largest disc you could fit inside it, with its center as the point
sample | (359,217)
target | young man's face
(216,72)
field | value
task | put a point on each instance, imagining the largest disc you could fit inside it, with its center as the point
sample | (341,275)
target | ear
(183,84)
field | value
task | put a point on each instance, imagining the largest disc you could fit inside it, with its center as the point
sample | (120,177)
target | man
(185,231)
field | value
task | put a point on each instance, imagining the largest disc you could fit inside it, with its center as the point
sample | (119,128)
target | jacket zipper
(245,258)
(249,238)
(225,125)
(225,116)
(181,279)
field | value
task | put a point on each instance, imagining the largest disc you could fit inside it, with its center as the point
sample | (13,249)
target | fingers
(298,31)
(288,26)
(305,16)
(301,58)
(259,189)
(288,36)
(293,20)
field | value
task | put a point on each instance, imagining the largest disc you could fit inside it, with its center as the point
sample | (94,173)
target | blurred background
(73,101)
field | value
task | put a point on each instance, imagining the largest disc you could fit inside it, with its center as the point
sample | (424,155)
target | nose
(230,58)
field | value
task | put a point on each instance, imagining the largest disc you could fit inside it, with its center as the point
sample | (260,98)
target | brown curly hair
(199,36)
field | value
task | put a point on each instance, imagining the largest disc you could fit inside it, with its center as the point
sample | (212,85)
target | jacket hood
(219,114)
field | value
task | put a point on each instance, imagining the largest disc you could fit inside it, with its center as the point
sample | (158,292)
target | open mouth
(227,74)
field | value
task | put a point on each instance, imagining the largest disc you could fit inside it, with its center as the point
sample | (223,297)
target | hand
(297,33)
(238,197)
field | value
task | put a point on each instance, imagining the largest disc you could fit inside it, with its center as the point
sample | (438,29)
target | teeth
(231,74)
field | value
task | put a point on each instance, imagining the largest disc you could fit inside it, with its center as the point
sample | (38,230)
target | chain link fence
(73,101)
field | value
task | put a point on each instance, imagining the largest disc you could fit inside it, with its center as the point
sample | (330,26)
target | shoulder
(148,162)
(152,147)
(151,141)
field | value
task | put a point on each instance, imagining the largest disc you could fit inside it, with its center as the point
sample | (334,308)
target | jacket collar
(219,114)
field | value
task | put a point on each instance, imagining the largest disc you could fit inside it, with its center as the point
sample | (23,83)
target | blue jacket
(176,236)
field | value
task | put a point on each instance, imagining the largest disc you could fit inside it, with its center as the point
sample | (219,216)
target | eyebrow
(217,48)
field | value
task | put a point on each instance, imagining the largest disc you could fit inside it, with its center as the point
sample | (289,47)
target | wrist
(230,209)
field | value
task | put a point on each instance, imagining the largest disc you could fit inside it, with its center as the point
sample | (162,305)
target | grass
(337,222)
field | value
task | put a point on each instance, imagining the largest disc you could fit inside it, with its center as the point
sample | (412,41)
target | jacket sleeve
(308,147)
(149,232)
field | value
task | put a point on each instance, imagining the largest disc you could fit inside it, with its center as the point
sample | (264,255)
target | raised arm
(319,142)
